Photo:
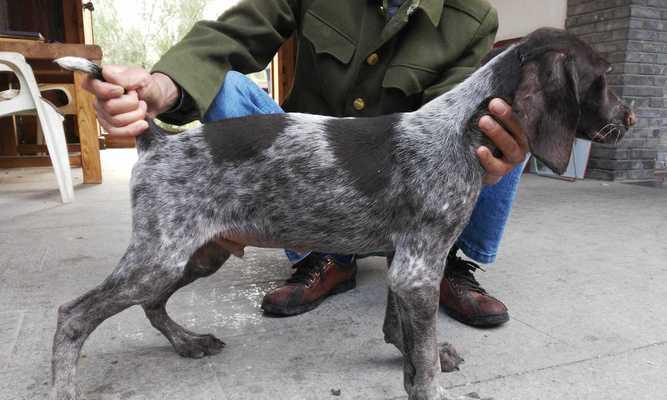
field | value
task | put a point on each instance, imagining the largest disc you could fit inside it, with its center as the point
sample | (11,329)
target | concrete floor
(583,271)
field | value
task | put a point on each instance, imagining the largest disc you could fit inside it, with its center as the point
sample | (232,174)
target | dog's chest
(445,204)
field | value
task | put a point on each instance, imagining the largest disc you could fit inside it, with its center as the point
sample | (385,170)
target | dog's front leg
(414,282)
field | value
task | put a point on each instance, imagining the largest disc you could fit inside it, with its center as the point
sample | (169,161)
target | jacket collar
(433,9)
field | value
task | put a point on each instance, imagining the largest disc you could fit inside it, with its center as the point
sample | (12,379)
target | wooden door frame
(282,71)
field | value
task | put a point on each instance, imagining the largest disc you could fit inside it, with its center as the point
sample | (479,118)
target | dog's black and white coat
(402,183)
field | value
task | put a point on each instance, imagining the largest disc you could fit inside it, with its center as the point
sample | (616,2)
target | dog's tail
(145,141)
(81,65)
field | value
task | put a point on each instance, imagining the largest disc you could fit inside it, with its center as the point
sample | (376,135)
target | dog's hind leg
(204,262)
(143,274)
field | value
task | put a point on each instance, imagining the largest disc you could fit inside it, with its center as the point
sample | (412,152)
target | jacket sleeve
(245,38)
(479,46)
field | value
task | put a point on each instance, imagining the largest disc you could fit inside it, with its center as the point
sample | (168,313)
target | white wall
(519,17)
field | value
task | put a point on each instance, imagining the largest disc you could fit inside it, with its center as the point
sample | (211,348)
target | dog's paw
(198,346)
(59,393)
(449,358)
(431,392)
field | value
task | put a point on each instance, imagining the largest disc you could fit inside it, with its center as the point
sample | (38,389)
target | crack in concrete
(554,366)
(514,318)
(30,213)
(40,264)
(80,226)
(218,384)
(15,338)
(549,367)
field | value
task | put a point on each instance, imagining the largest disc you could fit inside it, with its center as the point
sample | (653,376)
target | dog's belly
(239,241)
(235,242)
(316,213)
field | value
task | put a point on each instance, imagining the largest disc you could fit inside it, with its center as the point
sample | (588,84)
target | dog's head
(563,94)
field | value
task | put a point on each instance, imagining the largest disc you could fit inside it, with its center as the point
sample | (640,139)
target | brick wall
(632,35)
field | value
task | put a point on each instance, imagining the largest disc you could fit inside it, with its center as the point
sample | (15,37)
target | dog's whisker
(603,129)
(610,129)
(619,136)
(618,140)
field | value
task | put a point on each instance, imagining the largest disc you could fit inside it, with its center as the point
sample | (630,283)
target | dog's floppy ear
(546,105)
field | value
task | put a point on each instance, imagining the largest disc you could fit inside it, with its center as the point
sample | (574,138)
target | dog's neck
(453,118)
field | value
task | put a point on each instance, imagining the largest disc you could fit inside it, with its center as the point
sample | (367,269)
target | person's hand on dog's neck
(511,142)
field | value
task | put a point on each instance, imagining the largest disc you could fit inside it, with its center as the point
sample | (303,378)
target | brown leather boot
(316,278)
(464,299)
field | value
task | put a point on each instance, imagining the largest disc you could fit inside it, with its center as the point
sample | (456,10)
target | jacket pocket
(327,39)
(409,79)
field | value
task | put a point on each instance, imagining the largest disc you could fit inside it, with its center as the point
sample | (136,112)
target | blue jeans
(480,240)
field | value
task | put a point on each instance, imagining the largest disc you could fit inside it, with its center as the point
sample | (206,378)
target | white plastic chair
(69,108)
(67,89)
(28,100)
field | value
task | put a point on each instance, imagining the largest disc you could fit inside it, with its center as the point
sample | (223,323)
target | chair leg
(54,136)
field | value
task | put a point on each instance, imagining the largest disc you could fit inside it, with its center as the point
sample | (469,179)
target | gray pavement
(583,270)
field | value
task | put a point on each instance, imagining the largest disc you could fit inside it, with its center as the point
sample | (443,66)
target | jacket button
(359,104)
(373,59)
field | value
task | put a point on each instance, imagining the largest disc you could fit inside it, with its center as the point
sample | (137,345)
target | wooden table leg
(8,140)
(88,132)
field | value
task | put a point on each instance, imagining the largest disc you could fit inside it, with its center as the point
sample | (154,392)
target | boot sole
(278,311)
(482,321)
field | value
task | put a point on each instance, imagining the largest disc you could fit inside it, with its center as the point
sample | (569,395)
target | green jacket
(352,59)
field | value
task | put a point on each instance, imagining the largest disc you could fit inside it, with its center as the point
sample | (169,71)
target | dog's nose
(630,119)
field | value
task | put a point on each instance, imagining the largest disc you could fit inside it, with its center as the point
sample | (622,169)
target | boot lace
(461,271)
(307,270)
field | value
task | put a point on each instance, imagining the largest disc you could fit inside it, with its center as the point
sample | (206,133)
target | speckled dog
(402,183)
